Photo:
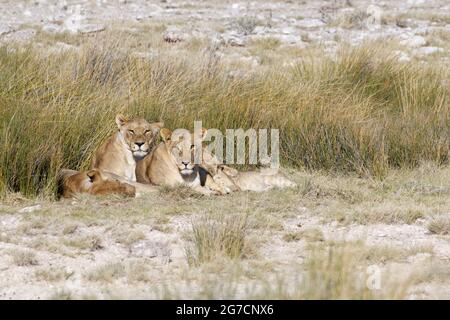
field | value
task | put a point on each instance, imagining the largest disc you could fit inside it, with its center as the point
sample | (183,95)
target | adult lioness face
(138,135)
(181,146)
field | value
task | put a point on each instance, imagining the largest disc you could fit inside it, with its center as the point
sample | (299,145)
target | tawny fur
(257,181)
(91,182)
(162,167)
(119,153)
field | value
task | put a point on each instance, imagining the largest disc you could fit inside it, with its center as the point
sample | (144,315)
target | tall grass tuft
(360,112)
(212,238)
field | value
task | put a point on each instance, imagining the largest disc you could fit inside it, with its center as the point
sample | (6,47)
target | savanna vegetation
(361,111)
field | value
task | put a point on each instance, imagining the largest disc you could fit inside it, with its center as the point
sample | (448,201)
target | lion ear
(156,127)
(94,175)
(121,120)
(165,134)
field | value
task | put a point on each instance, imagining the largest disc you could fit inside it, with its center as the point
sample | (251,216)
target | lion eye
(147,131)
(131,131)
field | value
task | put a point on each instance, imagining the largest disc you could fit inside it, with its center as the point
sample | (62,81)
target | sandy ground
(136,248)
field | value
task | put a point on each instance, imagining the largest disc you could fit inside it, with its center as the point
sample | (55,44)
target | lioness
(133,141)
(263,180)
(92,182)
(171,163)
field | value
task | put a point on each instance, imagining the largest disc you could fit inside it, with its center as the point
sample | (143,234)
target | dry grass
(90,242)
(440,18)
(440,225)
(62,295)
(310,234)
(392,215)
(265,43)
(337,273)
(138,272)
(350,20)
(224,236)
(70,228)
(331,271)
(245,24)
(361,113)
(128,237)
(265,266)
(23,258)
(107,273)
(52,274)
(135,271)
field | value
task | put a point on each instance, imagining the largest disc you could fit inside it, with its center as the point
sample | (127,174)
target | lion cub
(92,182)
(257,181)
(133,141)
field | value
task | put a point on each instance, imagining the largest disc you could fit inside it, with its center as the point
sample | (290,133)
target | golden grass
(224,236)
(52,274)
(107,272)
(362,112)
(91,242)
(23,258)
(440,225)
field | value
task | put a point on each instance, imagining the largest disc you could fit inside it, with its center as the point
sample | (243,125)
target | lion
(73,183)
(171,163)
(133,141)
(257,181)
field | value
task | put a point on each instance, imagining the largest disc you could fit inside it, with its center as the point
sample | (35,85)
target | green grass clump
(361,112)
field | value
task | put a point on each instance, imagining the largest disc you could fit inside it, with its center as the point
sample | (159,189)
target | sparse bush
(52,274)
(137,272)
(90,242)
(213,238)
(107,273)
(128,237)
(24,258)
(62,295)
(440,225)
(352,20)
(382,215)
(179,192)
(70,228)
(246,24)
(311,234)
(266,43)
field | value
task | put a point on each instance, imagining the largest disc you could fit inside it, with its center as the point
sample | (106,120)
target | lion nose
(139,144)
(185,163)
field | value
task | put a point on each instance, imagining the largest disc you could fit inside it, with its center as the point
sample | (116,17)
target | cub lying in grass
(257,181)
(91,182)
